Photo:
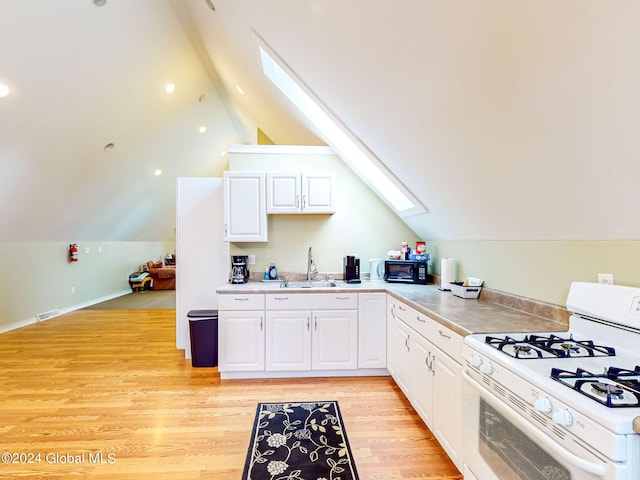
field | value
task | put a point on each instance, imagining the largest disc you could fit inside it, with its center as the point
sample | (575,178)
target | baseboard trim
(367,372)
(34,319)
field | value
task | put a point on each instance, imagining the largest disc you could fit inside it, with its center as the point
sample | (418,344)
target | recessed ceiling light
(170,88)
(108,146)
(239,89)
(99,3)
(202,129)
(157,172)
(4,90)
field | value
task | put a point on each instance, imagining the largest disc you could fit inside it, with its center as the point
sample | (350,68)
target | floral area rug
(299,441)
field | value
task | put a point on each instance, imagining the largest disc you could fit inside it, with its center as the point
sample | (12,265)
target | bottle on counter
(273,273)
(266,273)
(405,251)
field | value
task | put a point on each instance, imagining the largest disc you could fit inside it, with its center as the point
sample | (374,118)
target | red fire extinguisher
(73,252)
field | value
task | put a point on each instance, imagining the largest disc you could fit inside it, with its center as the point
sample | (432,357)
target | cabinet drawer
(445,339)
(404,312)
(239,301)
(312,301)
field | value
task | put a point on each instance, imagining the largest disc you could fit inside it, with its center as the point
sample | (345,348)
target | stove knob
(486,368)
(476,360)
(543,404)
(563,417)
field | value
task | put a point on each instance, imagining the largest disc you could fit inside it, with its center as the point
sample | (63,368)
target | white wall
(201,252)
(541,270)
(38,277)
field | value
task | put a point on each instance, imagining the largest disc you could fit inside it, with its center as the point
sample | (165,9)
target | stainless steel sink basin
(310,284)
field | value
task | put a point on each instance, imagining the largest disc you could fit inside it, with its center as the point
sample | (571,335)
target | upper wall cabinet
(289,193)
(245,215)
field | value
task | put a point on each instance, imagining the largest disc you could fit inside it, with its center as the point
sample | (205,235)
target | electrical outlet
(87,249)
(252,259)
(606,278)
(635,306)
(73,289)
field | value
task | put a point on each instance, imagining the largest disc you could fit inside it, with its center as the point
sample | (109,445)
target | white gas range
(558,406)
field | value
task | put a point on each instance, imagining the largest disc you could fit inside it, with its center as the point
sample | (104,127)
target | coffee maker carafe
(351,265)
(239,269)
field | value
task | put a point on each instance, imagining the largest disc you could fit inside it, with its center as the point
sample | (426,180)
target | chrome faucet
(312,271)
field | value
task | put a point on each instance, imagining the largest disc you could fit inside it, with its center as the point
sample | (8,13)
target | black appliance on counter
(351,265)
(239,269)
(406,271)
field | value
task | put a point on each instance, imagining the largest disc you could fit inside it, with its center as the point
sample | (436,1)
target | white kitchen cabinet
(241,333)
(372,330)
(241,340)
(334,340)
(447,405)
(324,337)
(288,340)
(245,213)
(398,349)
(430,378)
(422,376)
(293,193)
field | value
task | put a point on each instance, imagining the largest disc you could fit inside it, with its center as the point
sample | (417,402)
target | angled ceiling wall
(509,120)
(82,77)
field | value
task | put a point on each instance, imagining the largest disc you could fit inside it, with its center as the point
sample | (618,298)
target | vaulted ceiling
(508,120)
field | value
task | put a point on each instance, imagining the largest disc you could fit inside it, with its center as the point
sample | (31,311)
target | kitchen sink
(310,284)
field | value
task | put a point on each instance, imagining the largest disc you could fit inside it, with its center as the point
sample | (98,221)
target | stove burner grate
(615,388)
(548,346)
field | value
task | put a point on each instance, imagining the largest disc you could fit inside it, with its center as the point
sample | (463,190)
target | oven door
(499,444)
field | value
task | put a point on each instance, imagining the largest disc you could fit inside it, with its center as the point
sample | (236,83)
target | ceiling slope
(509,120)
(82,77)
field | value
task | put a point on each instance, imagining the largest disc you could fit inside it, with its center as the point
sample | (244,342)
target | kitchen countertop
(464,316)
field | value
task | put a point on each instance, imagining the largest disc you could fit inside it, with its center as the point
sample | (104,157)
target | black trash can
(203,331)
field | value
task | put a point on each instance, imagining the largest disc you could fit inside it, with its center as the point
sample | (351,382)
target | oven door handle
(537,435)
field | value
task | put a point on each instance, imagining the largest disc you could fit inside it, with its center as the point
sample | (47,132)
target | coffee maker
(239,269)
(351,265)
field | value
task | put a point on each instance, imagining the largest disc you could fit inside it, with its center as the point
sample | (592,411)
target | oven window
(511,454)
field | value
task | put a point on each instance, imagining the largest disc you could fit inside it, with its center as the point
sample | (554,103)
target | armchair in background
(163,277)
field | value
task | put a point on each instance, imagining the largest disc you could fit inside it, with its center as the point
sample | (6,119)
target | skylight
(351,150)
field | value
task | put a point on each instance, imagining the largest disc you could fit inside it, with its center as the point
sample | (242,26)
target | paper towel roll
(447,273)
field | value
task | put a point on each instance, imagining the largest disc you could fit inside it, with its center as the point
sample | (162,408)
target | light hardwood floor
(111,382)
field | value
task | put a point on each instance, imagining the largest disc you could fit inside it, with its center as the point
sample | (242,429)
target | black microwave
(405,271)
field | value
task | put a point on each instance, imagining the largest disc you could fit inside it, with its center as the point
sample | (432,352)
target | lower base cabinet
(281,334)
(241,341)
(431,379)
(298,340)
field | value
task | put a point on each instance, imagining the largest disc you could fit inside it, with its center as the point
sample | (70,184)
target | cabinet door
(334,344)
(447,406)
(372,330)
(398,350)
(288,340)
(245,213)
(422,374)
(241,341)
(283,193)
(318,193)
